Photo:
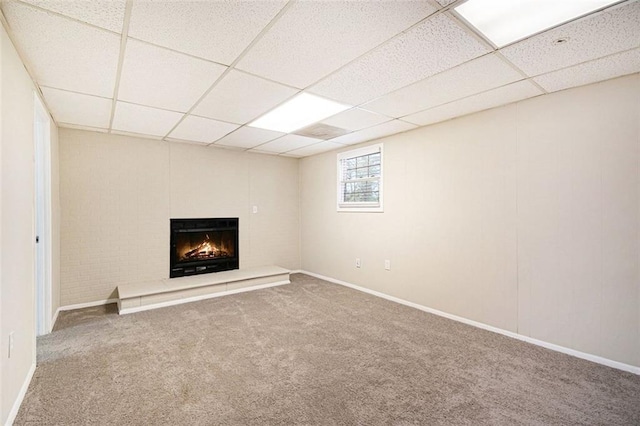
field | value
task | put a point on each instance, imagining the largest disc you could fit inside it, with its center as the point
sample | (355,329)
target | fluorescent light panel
(505,21)
(298,112)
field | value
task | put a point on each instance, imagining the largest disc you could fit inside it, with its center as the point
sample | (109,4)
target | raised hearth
(135,297)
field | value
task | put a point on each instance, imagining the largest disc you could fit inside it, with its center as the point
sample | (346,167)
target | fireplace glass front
(202,246)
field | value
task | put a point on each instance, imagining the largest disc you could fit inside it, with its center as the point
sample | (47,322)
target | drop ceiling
(200,71)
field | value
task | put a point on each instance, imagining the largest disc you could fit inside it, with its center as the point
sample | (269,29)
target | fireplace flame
(205,250)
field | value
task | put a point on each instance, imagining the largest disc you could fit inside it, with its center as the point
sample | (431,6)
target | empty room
(332,212)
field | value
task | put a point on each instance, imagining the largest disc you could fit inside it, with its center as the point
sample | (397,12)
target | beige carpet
(309,353)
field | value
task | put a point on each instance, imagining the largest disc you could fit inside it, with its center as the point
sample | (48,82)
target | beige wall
(118,194)
(17,248)
(524,217)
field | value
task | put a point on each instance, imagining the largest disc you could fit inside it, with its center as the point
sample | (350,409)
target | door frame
(42,218)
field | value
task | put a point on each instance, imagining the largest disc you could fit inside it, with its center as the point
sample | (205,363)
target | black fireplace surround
(202,246)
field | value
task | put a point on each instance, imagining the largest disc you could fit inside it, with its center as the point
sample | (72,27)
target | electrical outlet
(10,343)
(387,265)
(255,209)
(358,263)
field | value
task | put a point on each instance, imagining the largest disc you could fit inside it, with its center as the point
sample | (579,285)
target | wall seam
(300,213)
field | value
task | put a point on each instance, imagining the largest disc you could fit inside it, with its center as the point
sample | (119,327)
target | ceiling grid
(202,72)
(123,47)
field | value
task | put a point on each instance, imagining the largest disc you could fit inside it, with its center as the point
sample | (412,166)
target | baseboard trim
(79,306)
(23,392)
(54,319)
(583,355)
(201,297)
(86,305)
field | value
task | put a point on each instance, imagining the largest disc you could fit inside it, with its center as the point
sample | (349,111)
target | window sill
(363,209)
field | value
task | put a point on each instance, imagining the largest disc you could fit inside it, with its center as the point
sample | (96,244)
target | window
(360,179)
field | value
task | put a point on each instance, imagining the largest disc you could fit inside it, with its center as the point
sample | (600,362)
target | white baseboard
(297,271)
(589,357)
(87,305)
(200,297)
(78,306)
(23,391)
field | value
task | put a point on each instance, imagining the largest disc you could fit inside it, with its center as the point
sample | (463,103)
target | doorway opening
(42,167)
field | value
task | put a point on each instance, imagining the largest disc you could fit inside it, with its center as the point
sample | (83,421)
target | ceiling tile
(239,98)
(108,14)
(602,34)
(287,143)
(215,30)
(316,148)
(491,99)
(467,79)
(435,45)
(590,72)
(355,119)
(202,130)
(314,38)
(381,130)
(62,52)
(248,137)
(164,79)
(144,120)
(75,108)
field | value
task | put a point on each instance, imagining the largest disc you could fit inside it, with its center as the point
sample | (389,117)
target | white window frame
(360,206)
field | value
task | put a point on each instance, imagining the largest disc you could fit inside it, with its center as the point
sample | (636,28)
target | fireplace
(202,246)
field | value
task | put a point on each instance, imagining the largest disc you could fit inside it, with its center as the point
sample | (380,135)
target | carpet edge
(557,348)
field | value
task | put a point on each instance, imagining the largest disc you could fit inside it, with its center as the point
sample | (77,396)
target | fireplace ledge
(142,296)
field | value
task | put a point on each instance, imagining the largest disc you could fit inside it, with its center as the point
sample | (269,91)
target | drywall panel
(17,237)
(18,252)
(578,218)
(523,217)
(274,228)
(115,204)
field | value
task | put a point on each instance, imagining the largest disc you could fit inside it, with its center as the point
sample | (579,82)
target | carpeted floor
(309,353)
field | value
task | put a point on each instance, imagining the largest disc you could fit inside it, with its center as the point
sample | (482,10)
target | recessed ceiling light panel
(298,112)
(506,21)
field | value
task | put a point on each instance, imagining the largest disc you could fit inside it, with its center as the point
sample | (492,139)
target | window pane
(367,197)
(360,179)
(362,186)
(350,163)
